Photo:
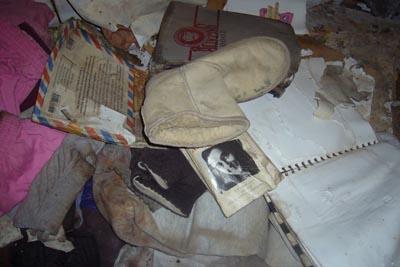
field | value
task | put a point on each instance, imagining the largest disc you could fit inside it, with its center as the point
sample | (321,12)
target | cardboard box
(188,32)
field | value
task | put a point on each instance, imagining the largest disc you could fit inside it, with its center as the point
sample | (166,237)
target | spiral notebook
(346,211)
(289,133)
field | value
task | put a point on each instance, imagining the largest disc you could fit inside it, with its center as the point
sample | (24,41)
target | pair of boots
(195,105)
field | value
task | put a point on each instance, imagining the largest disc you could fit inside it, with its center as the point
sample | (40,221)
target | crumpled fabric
(206,231)
(28,147)
(57,185)
(130,218)
(278,254)
(21,64)
(163,260)
(134,256)
(22,59)
(8,232)
(38,15)
(57,241)
(147,257)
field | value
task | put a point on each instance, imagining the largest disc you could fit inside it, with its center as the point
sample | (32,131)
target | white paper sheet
(293,11)
(346,211)
(290,135)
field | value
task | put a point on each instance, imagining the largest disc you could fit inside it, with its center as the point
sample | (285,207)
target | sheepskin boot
(251,67)
(195,105)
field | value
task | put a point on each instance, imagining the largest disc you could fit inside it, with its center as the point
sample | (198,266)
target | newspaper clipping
(236,172)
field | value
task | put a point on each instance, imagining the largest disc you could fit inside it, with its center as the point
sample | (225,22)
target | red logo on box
(198,38)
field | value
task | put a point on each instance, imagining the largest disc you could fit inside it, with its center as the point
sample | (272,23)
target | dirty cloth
(57,241)
(22,61)
(278,254)
(8,232)
(351,217)
(163,260)
(206,231)
(147,257)
(129,217)
(166,176)
(134,256)
(195,105)
(28,147)
(60,181)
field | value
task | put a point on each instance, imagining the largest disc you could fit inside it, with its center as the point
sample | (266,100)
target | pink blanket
(22,59)
(25,148)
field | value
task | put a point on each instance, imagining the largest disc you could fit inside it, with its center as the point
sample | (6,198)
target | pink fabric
(38,15)
(25,147)
(21,64)
(21,59)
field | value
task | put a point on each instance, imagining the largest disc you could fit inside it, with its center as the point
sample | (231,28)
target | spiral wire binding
(290,236)
(291,169)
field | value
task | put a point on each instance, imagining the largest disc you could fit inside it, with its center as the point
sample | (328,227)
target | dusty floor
(374,42)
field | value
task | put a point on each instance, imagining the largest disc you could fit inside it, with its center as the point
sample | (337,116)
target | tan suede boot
(195,105)
(251,67)
(190,107)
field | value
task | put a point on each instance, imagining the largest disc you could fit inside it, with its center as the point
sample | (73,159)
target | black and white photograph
(229,164)
(236,172)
